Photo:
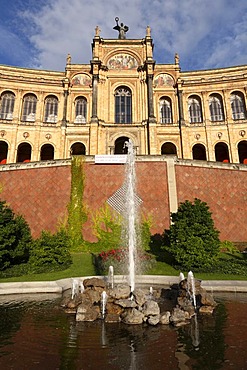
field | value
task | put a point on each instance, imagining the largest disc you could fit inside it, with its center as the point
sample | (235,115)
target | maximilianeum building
(123,94)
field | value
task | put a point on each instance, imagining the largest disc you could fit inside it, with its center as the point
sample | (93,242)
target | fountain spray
(131,212)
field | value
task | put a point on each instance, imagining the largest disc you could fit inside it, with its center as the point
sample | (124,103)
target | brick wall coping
(140,158)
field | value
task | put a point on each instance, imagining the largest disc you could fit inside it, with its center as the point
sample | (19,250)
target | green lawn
(83,266)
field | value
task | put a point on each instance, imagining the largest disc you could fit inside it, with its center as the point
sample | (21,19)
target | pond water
(35,333)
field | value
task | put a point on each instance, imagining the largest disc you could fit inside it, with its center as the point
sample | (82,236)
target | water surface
(35,333)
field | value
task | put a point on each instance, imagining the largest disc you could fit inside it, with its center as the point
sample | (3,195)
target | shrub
(107,228)
(15,238)
(50,252)
(118,258)
(194,241)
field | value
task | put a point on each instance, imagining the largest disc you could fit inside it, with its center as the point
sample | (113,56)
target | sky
(205,33)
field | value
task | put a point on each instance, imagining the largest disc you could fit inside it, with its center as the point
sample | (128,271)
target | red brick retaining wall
(41,194)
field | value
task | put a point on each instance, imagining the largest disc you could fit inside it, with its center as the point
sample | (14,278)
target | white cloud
(202,32)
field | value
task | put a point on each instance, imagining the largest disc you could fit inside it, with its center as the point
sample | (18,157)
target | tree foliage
(50,252)
(194,240)
(107,227)
(15,238)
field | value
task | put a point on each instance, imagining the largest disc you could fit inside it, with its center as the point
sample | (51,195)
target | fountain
(111,277)
(130,215)
(127,303)
(103,303)
(191,287)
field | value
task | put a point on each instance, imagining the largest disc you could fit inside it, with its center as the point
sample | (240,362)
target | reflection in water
(39,335)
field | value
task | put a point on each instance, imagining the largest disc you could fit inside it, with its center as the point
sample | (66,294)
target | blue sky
(205,33)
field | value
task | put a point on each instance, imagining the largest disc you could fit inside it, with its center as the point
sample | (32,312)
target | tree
(15,238)
(194,240)
(50,252)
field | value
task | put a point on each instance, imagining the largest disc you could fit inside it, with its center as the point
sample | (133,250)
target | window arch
(7,103)
(221,152)
(80,110)
(51,108)
(238,106)
(195,109)
(3,152)
(24,153)
(78,149)
(165,110)
(242,151)
(199,152)
(216,108)
(169,148)
(29,108)
(46,152)
(123,105)
(119,147)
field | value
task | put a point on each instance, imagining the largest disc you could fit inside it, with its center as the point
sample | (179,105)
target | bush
(50,252)
(194,241)
(118,258)
(15,238)
(107,228)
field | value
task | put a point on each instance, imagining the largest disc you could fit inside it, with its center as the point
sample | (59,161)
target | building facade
(123,94)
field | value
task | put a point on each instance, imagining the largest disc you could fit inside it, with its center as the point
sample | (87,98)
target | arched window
(195,109)
(120,147)
(199,152)
(29,108)
(51,108)
(123,105)
(47,152)
(7,103)
(216,108)
(221,152)
(165,110)
(242,151)
(3,152)
(81,110)
(24,153)
(78,149)
(238,106)
(168,148)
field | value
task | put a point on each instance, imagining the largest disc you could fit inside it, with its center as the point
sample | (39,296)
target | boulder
(112,308)
(94,282)
(89,315)
(140,296)
(206,310)
(153,320)
(165,318)
(112,317)
(132,316)
(151,308)
(207,299)
(126,303)
(120,291)
(179,316)
(93,295)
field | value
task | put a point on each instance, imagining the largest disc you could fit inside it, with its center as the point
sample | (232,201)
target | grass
(83,266)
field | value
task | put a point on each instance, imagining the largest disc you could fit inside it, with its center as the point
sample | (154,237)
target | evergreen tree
(194,240)
(15,238)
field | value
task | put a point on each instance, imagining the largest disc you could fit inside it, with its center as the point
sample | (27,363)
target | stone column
(181,116)
(65,102)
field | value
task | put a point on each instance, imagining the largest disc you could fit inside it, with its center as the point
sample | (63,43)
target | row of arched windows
(24,152)
(220,149)
(29,107)
(123,107)
(216,109)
